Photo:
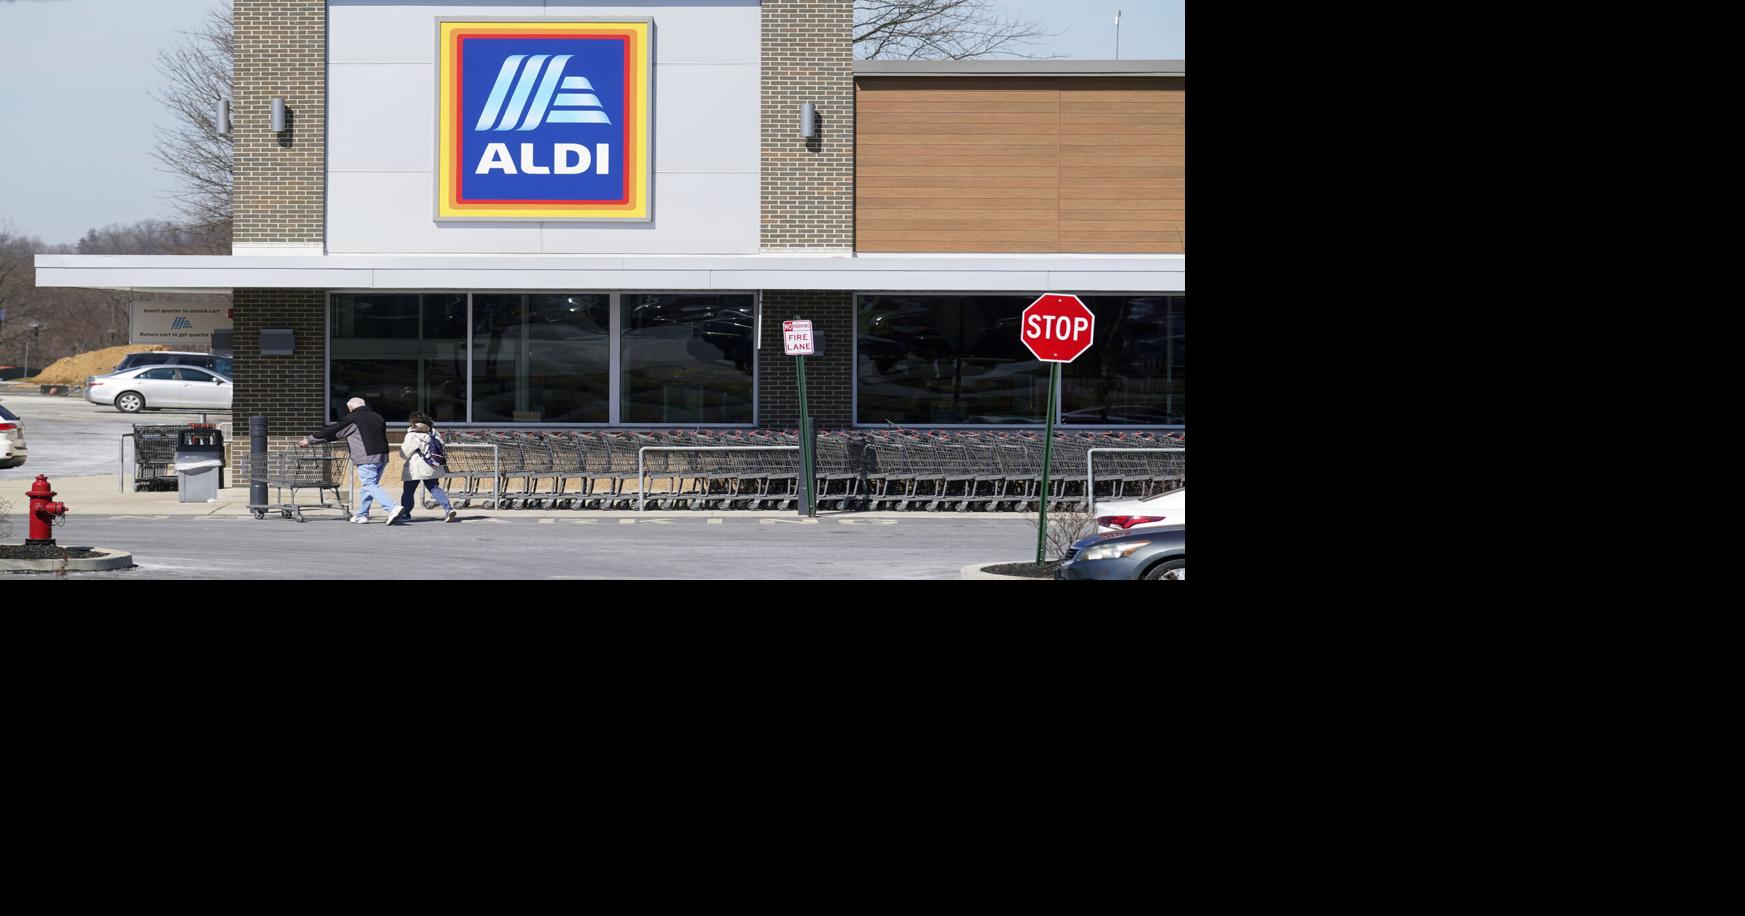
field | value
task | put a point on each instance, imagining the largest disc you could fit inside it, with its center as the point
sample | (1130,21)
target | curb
(111,559)
(975,572)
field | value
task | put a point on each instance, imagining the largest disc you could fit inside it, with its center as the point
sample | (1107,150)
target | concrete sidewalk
(101,495)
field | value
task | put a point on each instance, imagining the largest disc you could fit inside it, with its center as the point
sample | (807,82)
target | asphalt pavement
(572,546)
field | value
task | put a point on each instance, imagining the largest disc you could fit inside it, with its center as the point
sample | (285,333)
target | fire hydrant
(43,513)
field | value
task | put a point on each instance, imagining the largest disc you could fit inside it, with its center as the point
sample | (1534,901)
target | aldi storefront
(596,215)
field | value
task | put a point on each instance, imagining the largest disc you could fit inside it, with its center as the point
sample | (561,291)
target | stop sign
(1057,328)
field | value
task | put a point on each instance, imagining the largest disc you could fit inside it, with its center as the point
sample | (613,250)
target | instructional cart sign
(188,327)
(797,338)
(544,119)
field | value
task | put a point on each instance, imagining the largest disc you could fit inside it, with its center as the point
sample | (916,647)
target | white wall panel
(702,119)
(368,32)
(693,214)
(390,213)
(373,122)
(381,133)
(715,33)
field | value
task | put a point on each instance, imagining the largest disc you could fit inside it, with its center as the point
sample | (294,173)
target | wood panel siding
(1020,164)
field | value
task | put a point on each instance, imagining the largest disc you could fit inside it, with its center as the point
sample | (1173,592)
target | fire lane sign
(797,338)
(1057,328)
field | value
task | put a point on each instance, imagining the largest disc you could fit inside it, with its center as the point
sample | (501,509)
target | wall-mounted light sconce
(278,115)
(221,117)
(808,120)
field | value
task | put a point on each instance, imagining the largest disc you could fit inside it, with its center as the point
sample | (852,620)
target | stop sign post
(1057,329)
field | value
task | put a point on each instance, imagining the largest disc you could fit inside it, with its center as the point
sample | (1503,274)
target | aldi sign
(544,120)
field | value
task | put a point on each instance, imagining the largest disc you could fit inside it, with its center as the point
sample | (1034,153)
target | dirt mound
(75,369)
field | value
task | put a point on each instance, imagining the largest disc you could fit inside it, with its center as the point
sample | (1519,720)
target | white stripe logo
(579,107)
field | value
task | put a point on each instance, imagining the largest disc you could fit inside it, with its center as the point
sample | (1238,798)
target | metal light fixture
(808,120)
(278,115)
(221,116)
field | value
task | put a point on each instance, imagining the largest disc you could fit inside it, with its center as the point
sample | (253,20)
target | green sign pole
(808,482)
(1047,457)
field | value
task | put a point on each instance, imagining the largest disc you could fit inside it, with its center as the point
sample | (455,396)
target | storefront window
(542,358)
(400,352)
(1135,372)
(924,360)
(686,358)
(947,360)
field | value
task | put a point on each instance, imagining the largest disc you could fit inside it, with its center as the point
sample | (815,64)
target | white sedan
(12,451)
(1128,514)
(151,387)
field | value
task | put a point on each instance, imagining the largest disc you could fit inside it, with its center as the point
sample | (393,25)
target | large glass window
(542,358)
(1137,367)
(400,352)
(686,358)
(945,359)
(924,360)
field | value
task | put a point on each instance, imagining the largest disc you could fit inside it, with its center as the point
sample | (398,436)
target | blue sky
(77,121)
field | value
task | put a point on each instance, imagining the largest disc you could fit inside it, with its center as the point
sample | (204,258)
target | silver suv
(219,364)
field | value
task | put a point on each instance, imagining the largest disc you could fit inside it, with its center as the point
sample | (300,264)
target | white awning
(867,272)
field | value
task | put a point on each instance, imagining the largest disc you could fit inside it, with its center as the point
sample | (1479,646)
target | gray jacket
(364,432)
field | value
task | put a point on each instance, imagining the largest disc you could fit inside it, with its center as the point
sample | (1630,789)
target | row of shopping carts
(938,470)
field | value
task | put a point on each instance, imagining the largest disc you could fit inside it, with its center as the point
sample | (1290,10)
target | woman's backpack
(433,452)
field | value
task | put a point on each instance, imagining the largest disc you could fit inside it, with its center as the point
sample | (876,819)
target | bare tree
(940,30)
(198,73)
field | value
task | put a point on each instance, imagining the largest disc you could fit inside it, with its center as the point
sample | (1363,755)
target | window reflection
(686,358)
(400,352)
(1136,369)
(542,358)
(925,360)
(945,360)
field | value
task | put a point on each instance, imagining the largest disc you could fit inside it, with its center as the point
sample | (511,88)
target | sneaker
(359,520)
(453,516)
(393,514)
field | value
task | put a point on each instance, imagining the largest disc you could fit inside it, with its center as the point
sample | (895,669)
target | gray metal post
(257,461)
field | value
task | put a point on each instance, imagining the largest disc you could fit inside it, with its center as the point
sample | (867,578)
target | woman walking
(424,464)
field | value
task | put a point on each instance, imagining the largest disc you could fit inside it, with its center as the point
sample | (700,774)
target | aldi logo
(544,120)
(181,323)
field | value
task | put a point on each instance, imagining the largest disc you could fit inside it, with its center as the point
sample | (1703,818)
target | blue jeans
(368,476)
(409,489)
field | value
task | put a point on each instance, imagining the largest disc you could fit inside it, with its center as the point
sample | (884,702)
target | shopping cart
(321,467)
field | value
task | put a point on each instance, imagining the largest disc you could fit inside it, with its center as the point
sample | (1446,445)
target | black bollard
(257,461)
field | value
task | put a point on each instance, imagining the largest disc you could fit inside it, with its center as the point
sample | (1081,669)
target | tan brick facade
(281,50)
(828,374)
(808,185)
(284,389)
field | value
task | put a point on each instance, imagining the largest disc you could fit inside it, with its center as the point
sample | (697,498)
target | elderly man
(366,434)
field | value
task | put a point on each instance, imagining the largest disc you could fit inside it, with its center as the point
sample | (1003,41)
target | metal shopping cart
(321,467)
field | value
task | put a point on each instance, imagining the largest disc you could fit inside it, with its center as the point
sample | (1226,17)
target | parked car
(152,387)
(212,362)
(11,439)
(1152,512)
(1156,553)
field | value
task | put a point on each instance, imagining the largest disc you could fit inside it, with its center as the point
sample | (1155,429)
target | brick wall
(284,389)
(828,379)
(808,185)
(281,48)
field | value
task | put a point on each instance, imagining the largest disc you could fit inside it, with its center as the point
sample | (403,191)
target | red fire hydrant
(43,513)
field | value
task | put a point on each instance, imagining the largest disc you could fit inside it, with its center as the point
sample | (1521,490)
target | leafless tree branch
(941,30)
(198,72)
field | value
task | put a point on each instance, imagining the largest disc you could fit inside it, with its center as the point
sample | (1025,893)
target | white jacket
(416,468)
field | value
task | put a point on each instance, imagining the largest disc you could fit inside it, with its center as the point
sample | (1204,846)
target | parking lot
(72,437)
(76,442)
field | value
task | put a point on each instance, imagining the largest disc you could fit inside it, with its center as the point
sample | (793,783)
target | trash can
(199,463)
